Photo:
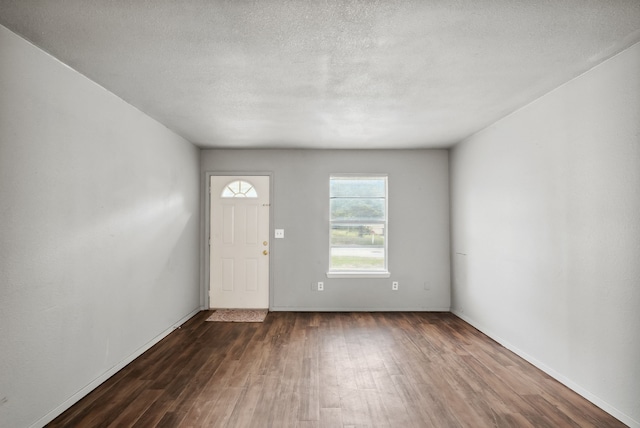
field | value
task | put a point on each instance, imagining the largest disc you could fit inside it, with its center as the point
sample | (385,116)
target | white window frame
(377,273)
(228,192)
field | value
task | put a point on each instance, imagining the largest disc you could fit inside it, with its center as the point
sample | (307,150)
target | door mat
(238,315)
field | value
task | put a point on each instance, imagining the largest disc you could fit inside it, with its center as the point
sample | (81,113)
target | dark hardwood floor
(332,370)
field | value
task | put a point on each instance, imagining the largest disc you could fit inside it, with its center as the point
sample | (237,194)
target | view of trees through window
(358,223)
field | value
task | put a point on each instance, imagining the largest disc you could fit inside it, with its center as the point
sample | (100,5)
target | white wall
(546,233)
(418,226)
(99,233)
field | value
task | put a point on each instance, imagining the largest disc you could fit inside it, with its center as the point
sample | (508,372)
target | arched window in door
(239,189)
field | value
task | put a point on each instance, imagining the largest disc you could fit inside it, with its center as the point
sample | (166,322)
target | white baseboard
(624,418)
(350,309)
(106,375)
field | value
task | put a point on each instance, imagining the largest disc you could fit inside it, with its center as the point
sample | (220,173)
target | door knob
(265,252)
(265,243)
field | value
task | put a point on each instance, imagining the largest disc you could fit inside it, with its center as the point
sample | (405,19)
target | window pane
(360,187)
(357,209)
(357,259)
(239,189)
(365,235)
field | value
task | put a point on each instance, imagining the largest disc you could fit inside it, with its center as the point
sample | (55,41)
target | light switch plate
(279,233)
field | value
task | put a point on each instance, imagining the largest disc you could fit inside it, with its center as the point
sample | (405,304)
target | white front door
(239,252)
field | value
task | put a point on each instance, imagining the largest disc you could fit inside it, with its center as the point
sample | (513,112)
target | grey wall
(546,233)
(99,233)
(418,226)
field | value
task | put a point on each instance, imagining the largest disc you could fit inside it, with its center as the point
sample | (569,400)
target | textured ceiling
(327,74)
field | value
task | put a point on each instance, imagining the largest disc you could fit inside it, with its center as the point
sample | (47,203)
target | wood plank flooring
(314,370)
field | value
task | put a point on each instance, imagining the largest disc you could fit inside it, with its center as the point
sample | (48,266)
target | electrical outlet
(394,285)
(427,286)
(320,286)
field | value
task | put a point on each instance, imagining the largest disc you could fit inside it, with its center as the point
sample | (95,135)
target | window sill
(382,274)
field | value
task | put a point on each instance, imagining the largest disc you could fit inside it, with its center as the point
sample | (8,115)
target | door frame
(205,271)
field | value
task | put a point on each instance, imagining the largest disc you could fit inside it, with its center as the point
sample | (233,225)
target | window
(358,226)
(239,189)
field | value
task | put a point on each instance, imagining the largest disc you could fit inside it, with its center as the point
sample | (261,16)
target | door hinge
(209,241)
